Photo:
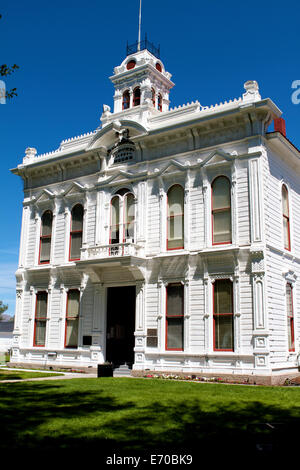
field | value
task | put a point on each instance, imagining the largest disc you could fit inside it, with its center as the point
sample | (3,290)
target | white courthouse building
(166,239)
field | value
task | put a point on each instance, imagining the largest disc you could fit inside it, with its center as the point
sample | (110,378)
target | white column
(161,316)
(187,212)
(37,220)
(234,206)
(187,315)
(24,236)
(99,236)
(67,216)
(62,318)
(141,212)
(163,217)
(140,308)
(255,200)
(236,314)
(206,210)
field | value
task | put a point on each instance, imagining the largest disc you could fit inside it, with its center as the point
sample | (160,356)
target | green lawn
(131,416)
(19,375)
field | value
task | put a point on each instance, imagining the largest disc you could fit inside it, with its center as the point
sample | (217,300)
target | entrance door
(120,325)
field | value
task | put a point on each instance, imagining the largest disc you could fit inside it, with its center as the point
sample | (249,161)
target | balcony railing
(112,251)
(140,46)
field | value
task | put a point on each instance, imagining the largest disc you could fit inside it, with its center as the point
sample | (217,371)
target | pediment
(172,167)
(121,176)
(44,197)
(74,190)
(216,157)
(107,135)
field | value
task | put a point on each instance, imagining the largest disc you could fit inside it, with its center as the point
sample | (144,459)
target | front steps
(122,371)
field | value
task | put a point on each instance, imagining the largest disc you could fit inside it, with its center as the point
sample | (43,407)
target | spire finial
(140,21)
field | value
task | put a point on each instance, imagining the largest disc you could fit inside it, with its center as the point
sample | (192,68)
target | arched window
(175,218)
(153,97)
(114,236)
(286,218)
(126,100)
(129,209)
(122,219)
(72,319)
(76,232)
(159,102)
(223,315)
(221,211)
(136,96)
(45,237)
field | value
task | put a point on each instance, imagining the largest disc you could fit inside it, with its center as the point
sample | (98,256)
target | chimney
(279,126)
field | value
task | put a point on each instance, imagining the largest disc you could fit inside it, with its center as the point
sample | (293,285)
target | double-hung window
(221,211)
(175,218)
(40,320)
(290,317)
(223,315)
(122,218)
(76,232)
(286,218)
(175,317)
(72,318)
(45,237)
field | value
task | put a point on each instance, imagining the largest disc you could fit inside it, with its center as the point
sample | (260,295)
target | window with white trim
(76,232)
(286,218)
(45,237)
(175,218)
(290,317)
(122,222)
(72,319)
(221,210)
(223,330)
(175,317)
(40,319)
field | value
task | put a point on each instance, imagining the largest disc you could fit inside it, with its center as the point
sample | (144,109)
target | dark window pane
(175,333)
(46,224)
(40,333)
(76,242)
(77,218)
(175,300)
(223,296)
(221,193)
(222,227)
(73,303)
(41,305)
(45,250)
(72,333)
(223,332)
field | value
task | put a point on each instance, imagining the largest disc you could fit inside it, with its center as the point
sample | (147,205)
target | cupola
(141,81)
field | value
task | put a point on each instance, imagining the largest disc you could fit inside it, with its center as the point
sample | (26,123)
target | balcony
(116,250)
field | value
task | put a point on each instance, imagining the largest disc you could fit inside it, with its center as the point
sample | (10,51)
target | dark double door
(120,325)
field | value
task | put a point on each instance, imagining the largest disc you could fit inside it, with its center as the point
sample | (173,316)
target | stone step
(122,371)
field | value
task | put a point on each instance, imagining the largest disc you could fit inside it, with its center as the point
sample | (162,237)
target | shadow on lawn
(178,428)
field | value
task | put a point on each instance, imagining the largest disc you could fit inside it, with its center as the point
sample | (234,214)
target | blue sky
(66,50)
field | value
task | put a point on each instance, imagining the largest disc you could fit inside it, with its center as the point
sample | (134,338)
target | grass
(133,416)
(19,375)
